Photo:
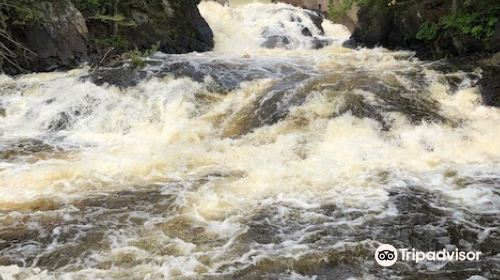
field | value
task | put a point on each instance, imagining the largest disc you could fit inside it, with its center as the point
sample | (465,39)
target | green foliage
(93,7)
(120,19)
(137,57)
(336,11)
(104,10)
(108,12)
(115,42)
(19,12)
(471,18)
(428,31)
(136,60)
(464,18)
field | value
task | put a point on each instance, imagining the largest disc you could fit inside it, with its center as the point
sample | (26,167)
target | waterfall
(290,159)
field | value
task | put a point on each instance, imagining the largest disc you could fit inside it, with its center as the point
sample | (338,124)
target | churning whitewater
(279,155)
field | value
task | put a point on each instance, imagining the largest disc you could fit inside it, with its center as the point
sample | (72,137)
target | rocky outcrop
(68,33)
(397,26)
(490,80)
(490,86)
(58,41)
(174,26)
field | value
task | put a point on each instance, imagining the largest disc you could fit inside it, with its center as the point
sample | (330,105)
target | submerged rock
(276,41)
(225,75)
(122,77)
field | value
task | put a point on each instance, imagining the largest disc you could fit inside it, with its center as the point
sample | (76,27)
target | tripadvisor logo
(386,255)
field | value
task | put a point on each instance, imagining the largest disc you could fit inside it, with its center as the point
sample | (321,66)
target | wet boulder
(316,18)
(276,41)
(224,75)
(318,43)
(490,85)
(306,32)
(121,77)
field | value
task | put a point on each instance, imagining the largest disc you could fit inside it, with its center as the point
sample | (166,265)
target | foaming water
(248,163)
(248,28)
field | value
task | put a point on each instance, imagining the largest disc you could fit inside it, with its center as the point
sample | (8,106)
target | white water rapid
(266,158)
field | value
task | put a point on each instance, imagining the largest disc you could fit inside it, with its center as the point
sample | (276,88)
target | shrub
(476,18)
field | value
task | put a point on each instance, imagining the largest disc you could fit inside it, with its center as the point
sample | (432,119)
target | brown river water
(250,163)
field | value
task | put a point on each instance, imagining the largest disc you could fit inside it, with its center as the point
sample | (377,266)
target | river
(250,163)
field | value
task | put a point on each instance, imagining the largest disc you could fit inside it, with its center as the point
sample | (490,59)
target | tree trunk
(115,14)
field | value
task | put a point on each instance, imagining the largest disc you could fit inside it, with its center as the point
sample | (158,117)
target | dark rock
(306,32)
(122,77)
(358,107)
(350,44)
(64,38)
(59,40)
(316,18)
(175,26)
(281,41)
(490,85)
(275,41)
(318,43)
(225,75)
(396,27)
(375,22)
(495,39)
(410,101)
(272,107)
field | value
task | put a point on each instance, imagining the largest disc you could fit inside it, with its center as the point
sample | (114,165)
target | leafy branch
(473,18)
